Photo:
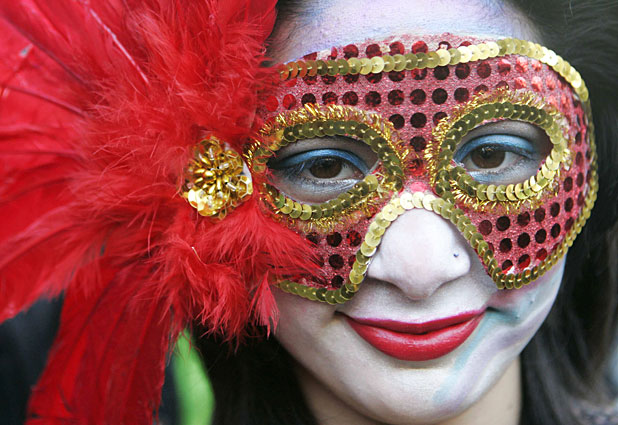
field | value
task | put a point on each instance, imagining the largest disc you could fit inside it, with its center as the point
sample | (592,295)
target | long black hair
(568,357)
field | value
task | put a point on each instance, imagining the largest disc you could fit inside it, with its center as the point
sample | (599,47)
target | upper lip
(418,328)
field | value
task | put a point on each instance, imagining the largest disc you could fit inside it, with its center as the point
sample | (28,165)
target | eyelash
(525,149)
(296,164)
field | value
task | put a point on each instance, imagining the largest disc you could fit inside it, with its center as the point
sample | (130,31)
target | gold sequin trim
(214,183)
(440,57)
(313,121)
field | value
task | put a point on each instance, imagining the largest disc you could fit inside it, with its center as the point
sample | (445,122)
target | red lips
(417,341)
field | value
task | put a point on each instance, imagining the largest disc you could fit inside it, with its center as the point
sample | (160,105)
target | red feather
(101,106)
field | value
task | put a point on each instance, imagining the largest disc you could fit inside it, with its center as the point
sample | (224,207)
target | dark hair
(568,357)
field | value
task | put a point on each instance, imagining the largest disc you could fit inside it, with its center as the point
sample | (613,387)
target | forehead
(321,24)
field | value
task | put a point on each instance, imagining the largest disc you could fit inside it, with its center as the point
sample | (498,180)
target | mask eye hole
(317,170)
(503,152)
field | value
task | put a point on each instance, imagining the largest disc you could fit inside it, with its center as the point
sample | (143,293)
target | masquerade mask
(495,137)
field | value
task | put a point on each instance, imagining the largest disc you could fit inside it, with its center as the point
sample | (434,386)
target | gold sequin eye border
(453,181)
(313,121)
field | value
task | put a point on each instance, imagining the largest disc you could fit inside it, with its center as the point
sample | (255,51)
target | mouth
(417,341)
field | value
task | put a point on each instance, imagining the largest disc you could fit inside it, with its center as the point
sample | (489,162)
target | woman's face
(424,277)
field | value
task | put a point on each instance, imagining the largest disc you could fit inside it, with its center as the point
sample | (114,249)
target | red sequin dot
(438,116)
(579,181)
(504,67)
(480,88)
(537,83)
(373,50)
(351,78)
(502,85)
(444,45)
(524,261)
(350,51)
(336,261)
(578,138)
(555,231)
(579,159)
(491,247)
(397,120)
(397,48)
(441,72)
(419,46)
(506,266)
(396,76)
(540,236)
(554,209)
(523,219)
(418,120)
(333,53)
(373,98)
(334,239)
(354,238)
(580,199)
(329,79)
(506,245)
(462,71)
(329,98)
(523,240)
(310,80)
(351,260)
(313,237)
(462,94)
(465,43)
(311,56)
(536,65)
(418,97)
(307,98)
(521,64)
(539,215)
(439,96)
(349,98)
(419,74)
(569,224)
(395,97)
(503,223)
(418,143)
(520,83)
(483,69)
(541,254)
(374,78)
(272,103)
(568,205)
(288,101)
(485,227)
(336,281)
(568,184)
(417,167)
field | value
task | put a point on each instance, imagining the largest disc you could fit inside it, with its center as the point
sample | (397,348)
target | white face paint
(424,270)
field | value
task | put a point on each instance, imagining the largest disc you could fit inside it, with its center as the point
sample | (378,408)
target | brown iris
(487,157)
(326,168)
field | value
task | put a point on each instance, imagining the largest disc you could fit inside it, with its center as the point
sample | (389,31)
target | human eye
(503,152)
(317,170)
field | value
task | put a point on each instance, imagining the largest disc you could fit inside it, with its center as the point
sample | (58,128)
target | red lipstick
(417,341)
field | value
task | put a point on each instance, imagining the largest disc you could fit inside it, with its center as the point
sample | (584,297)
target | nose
(419,253)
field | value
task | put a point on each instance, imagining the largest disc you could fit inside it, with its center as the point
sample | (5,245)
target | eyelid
(297,159)
(516,144)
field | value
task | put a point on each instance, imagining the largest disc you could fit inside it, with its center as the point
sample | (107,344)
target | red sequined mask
(417,105)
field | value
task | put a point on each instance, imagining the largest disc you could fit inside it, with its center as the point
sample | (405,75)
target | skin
(424,269)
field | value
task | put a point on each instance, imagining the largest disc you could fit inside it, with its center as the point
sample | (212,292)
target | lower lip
(417,347)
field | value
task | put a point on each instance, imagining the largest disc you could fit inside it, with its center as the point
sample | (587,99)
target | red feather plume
(101,105)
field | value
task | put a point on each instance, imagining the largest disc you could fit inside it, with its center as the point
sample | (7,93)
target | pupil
(487,157)
(326,168)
